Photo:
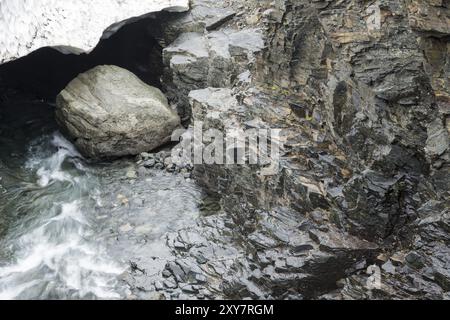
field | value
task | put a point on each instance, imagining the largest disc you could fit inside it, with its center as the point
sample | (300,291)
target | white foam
(78,264)
(50,169)
(56,248)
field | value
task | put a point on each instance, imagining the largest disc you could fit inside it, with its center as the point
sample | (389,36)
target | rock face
(361,92)
(109,112)
(378,85)
(71,26)
(204,57)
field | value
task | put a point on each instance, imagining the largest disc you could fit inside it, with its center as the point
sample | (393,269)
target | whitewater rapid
(74,229)
(55,255)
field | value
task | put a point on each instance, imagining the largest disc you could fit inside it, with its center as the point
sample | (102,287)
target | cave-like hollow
(45,72)
(29,85)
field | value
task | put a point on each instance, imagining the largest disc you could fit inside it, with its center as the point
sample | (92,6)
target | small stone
(159,286)
(253,19)
(438,139)
(415,260)
(389,267)
(199,278)
(295,262)
(201,259)
(170,284)
(273,15)
(361,265)
(189,288)
(149,163)
(168,162)
(179,245)
(280,265)
(317,216)
(176,270)
(155,296)
(144,156)
(166,274)
(398,258)
(161,156)
(346,173)
(171,168)
(382,258)
(123,200)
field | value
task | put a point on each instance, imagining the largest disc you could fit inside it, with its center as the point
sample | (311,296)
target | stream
(70,229)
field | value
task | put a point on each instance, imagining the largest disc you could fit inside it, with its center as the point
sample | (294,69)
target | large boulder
(109,112)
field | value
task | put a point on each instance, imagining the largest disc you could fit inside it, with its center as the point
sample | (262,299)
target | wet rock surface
(363,107)
(138,225)
(109,112)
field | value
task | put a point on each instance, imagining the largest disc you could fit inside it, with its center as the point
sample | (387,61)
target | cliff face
(375,75)
(361,89)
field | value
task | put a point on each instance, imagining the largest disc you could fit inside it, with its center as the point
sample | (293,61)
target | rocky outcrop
(363,104)
(109,112)
(201,57)
(369,82)
(72,28)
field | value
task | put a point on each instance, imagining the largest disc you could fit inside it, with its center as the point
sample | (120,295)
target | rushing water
(69,229)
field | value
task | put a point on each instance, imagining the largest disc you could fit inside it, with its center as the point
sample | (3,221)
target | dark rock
(189,288)
(149,163)
(159,286)
(170,284)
